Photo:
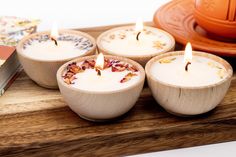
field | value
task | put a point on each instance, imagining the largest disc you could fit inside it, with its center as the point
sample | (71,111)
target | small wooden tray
(36,122)
(176,17)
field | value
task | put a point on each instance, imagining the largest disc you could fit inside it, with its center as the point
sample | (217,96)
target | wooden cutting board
(36,122)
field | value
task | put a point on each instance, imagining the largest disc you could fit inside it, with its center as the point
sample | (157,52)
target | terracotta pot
(217,16)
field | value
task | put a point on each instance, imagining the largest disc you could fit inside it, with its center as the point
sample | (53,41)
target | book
(12,29)
(9,67)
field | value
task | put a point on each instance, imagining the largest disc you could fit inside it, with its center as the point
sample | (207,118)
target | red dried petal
(114,69)
(75,69)
(91,63)
(132,68)
(117,69)
(85,65)
(120,65)
(68,74)
(127,77)
(88,64)
(67,81)
(123,80)
(107,64)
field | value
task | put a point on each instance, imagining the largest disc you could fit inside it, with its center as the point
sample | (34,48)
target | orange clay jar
(217,16)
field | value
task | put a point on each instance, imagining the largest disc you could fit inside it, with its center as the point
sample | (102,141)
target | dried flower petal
(69,80)
(115,65)
(148,32)
(88,64)
(115,69)
(214,65)
(74,68)
(127,77)
(112,36)
(122,36)
(68,74)
(120,65)
(158,44)
(166,60)
(221,73)
(132,68)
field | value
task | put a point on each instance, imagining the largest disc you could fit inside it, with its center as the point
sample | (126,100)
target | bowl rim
(222,61)
(79,59)
(214,20)
(19,46)
(101,47)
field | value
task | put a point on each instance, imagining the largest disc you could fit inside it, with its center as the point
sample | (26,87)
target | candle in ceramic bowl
(41,54)
(138,43)
(101,89)
(188,85)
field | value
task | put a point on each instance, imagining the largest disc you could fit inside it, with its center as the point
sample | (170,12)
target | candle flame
(139,25)
(188,56)
(99,62)
(188,53)
(54,31)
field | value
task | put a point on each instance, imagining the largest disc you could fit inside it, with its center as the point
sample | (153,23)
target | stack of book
(12,29)
(9,67)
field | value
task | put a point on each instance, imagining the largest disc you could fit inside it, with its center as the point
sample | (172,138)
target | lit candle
(57,45)
(138,28)
(102,75)
(99,65)
(41,54)
(135,42)
(54,34)
(188,83)
(102,96)
(188,71)
(188,56)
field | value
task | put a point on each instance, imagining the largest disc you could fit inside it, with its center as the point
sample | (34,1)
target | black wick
(137,37)
(186,66)
(55,41)
(98,72)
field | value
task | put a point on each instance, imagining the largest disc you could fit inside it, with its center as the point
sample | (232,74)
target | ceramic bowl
(43,72)
(217,16)
(100,105)
(188,101)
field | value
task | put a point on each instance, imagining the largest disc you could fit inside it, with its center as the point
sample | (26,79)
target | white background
(81,13)
(90,13)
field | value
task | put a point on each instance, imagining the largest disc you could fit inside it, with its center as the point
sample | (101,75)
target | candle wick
(137,37)
(186,66)
(98,72)
(55,41)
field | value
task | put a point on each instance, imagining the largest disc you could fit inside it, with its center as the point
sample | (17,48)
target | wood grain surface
(36,122)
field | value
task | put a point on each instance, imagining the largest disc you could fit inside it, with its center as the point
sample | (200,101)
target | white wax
(108,81)
(131,47)
(202,72)
(47,50)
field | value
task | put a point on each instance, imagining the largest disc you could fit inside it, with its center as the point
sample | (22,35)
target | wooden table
(36,122)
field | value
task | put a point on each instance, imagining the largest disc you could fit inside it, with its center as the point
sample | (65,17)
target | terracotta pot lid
(176,17)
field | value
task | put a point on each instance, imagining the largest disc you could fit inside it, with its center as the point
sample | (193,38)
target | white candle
(119,75)
(201,72)
(99,89)
(41,54)
(108,81)
(122,41)
(69,45)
